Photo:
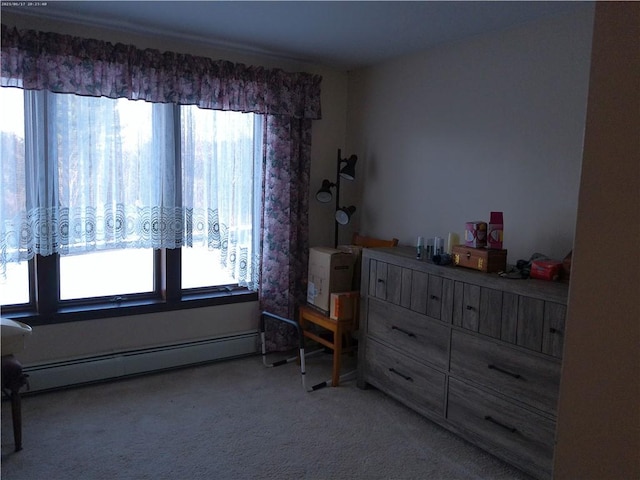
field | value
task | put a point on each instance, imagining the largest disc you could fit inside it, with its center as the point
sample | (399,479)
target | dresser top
(404,256)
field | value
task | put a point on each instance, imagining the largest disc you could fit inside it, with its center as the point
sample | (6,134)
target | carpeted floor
(234,420)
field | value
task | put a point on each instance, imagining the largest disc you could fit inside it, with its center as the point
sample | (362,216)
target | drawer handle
(489,418)
(409,334)
(469,307)
(380,280)
(555,330)
(406,377)
(502,370)
(434,297)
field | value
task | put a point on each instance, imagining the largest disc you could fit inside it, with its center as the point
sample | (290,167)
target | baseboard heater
(97,368)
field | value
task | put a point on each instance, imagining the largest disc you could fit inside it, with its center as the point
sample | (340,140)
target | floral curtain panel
(285,224)
(35,60)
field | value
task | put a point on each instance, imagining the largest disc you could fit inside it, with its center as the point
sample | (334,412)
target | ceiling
(340,34)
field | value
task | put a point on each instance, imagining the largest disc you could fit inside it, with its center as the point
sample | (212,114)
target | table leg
(16,414)
(337,355)
(12,381)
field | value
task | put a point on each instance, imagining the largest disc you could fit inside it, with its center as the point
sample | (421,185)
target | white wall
(65,341)
(494,122)
(77,339)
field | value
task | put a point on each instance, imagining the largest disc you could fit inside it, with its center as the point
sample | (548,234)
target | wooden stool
(309,315)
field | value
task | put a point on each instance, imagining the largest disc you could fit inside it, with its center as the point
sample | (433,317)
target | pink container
(494,234)
(475,234)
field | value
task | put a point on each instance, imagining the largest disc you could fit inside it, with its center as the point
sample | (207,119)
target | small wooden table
(309,315)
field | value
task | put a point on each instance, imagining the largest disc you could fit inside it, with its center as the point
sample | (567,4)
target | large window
(124,198)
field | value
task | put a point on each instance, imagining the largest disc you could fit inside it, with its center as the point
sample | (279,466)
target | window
(108,185)
(14,276)
(14,284)
(220,159)
(105,152)
(107,273)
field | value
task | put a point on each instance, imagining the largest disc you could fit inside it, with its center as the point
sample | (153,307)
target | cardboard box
(356,250)
(330,270)
(344,305)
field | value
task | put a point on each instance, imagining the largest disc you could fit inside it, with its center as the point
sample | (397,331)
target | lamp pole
(335,221)
(324,195)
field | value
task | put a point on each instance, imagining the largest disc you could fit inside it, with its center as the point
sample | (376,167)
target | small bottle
(419,246)
(438,245)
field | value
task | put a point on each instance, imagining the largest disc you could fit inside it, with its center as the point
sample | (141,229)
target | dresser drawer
(415,334)
(520,436)
(411,382)
(528,322)
(531,379)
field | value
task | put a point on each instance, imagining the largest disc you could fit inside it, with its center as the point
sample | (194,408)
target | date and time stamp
(4,3)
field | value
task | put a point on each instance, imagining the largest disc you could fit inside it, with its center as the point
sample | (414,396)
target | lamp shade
(343,215)
(349,170)
(324,195)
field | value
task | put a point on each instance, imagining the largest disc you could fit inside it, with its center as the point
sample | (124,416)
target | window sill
(96,311)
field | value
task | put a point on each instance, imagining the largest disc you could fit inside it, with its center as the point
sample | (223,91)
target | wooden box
(482,259)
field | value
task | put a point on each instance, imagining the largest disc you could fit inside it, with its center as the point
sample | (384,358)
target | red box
(546,269)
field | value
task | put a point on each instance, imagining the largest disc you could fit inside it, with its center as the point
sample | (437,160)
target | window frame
(45,307)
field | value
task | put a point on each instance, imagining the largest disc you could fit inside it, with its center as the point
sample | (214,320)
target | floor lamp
(346,168)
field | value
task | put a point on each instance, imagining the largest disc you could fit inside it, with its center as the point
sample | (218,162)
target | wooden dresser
(477,353)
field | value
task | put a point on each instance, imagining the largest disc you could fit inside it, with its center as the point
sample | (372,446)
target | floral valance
(65,64)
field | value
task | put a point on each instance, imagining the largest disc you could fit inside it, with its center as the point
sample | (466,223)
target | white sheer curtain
(92,173)
(112,165)
(221,171)
(13,201)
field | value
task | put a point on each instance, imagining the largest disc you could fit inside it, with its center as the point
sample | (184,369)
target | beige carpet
(234,420)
